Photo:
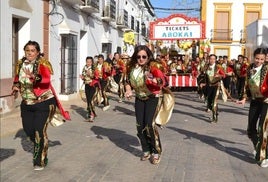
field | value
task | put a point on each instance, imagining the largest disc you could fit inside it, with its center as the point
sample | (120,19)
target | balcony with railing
(74,2)
(90,6)
(122,19)
(108,13)
(222,35)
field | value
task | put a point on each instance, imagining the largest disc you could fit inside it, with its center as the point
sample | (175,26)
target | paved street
(194,150)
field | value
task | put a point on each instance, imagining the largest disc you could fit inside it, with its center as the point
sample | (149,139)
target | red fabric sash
(64,113)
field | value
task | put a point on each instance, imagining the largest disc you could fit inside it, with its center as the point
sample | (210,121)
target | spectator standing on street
(257,89)
(39,101)
(90,76)
(147,81)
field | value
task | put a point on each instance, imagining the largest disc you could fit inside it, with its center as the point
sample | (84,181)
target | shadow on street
(215,142)
(119,138)
(27,144)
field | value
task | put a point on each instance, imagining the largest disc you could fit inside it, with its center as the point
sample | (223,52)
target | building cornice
(149,6)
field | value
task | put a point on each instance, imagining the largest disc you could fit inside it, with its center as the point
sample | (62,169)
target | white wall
(90,44)
(5,40)
(237,21)
(30,28)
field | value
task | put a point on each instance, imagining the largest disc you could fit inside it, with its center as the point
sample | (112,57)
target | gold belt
(35,101)
(147,97)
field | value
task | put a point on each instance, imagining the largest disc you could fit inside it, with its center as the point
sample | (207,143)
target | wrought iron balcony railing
(221,35)
(122,19)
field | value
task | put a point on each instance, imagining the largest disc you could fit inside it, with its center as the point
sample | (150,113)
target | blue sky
(178,4)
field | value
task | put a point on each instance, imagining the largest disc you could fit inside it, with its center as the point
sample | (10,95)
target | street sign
(177,26)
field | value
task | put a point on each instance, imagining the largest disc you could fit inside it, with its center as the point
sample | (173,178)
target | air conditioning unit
(106,11)
(120,20)
(87,3)
(90,6)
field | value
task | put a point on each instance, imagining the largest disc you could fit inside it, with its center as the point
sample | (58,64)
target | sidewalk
(10,122)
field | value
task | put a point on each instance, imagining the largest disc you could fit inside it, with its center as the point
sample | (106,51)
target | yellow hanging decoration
(184,44)
(129,38)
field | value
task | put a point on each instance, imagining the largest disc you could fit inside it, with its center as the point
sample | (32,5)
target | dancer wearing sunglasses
(145,76)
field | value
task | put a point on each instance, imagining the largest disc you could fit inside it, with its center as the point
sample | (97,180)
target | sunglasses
(143,57)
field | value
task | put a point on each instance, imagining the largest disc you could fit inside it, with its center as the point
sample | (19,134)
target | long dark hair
(134,60)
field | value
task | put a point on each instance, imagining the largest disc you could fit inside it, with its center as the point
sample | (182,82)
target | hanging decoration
(159,43)
(129,38)
(204,46)
(184,44)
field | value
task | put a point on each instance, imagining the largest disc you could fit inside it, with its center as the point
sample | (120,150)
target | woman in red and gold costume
(119,72)
(90,76)
(256,88)
(240,70)
(39,100)
(145,77)
(229,72)
(105,71)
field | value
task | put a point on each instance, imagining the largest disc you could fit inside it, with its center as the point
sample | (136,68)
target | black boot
(214,117)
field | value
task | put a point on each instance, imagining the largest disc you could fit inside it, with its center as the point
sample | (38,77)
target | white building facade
(68,31)
(226,22)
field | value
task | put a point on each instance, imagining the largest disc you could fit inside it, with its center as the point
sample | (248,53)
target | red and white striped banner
(182,81)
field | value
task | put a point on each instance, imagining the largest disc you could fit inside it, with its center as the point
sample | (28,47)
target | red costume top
(92,77)
(214,76)
(263,81)
(119,67)
(42,71)
(195,71)
(241,69)
(264,85)
(230,70)
(105,70)
(142,80)
(157,73)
